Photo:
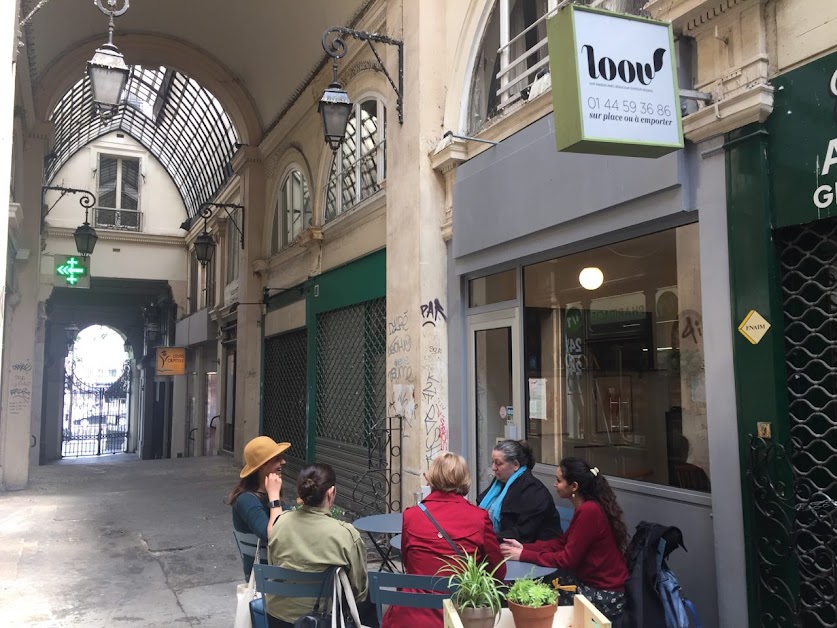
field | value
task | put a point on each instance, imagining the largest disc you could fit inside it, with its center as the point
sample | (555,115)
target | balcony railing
(122,219)
(517,74)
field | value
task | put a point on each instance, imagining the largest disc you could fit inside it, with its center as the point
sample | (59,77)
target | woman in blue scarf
(519,504)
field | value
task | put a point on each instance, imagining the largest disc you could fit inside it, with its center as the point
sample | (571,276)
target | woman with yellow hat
(256,499)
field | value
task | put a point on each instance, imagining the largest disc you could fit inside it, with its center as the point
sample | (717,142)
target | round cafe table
(389,524)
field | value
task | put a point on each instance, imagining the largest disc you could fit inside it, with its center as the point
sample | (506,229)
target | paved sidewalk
(114,541)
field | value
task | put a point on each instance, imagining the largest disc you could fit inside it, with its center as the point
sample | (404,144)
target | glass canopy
(176,119)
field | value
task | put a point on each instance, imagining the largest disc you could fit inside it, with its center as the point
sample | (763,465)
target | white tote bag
(245,594)
(343,590)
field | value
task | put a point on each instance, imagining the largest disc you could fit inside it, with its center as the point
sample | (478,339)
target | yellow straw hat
(260,450)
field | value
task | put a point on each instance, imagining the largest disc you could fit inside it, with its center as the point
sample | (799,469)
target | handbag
(246,593)
(316,618)
(343,596)
(441,530)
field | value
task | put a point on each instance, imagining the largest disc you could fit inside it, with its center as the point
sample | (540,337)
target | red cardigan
(422,551)
(587,549)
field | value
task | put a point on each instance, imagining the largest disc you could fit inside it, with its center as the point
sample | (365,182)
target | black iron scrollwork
(795,527)
(87,199)
(380,485)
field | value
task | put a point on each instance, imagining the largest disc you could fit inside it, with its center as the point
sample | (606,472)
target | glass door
(494,386)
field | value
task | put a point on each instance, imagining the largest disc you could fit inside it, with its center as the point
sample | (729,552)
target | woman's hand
(511,549)
(273,485)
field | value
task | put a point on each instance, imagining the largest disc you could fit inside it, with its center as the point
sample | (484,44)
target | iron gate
(795,484)
(96,417)
(353,433)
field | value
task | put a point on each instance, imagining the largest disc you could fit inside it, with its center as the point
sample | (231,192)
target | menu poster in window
(537,398)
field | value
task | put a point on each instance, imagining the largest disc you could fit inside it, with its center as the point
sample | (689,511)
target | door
(211,415)
(495,402)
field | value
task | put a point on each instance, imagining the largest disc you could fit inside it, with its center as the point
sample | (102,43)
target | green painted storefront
(783,264)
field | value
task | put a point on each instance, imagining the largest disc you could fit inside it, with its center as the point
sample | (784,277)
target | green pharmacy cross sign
(72,271)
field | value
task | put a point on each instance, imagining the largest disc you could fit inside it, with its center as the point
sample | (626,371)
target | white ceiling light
(591,278)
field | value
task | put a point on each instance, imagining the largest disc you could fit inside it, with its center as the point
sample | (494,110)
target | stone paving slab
(115,541)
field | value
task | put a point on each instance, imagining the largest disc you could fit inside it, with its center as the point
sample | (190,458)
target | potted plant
(477,593)
(532,603)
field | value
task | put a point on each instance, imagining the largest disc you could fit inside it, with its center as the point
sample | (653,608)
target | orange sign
(171,361)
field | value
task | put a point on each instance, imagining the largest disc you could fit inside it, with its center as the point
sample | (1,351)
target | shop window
(208,284)
(359,167)
(513,55)
(194,282)
(118,193)
(293,211)
(613,354)
(494,288)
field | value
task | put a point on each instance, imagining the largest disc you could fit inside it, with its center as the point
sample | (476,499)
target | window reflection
(360,170)
(616,374)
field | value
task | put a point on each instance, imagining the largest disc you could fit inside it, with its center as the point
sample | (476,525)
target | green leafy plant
(474,585)
(532,593)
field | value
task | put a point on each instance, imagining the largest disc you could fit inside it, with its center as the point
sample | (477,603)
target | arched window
(513,55)
(359,167)
(293,211)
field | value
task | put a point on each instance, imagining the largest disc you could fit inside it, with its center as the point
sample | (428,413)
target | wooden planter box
(581,615)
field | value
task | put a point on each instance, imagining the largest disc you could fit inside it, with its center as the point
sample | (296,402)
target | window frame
(117,191)
(282,235)
(337,172)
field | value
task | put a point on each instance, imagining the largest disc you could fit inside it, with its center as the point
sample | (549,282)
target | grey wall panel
(523,185)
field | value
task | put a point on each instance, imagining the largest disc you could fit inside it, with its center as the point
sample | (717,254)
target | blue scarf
(493,499)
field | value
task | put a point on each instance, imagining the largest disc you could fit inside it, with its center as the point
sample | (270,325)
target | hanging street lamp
(84,235)
(107,69)
(205,243)
(335,106)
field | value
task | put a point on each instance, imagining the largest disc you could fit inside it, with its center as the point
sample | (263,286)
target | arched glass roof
(176,119)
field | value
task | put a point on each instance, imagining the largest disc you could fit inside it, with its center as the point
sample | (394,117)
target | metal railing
(123,219)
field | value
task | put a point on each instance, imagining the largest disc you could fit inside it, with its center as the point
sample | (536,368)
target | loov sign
(614,84)
(826,195)
(171,361)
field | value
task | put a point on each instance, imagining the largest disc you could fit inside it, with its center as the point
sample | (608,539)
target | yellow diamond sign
(753,327)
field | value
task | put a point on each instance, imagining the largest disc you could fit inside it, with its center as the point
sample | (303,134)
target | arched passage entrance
(97,389)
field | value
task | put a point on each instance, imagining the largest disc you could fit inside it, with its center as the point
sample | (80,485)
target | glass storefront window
(613,352)
(493,288)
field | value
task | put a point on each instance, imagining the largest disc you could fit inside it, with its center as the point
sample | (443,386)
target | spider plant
(474,585)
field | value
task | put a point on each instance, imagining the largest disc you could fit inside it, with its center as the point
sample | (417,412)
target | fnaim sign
(614,84)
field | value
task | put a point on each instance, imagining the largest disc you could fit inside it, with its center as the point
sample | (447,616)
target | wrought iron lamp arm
(206,211)
(335,47)
(87,200)
(112,12)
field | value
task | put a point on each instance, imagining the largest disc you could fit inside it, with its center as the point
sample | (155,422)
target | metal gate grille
(351,398)
(795,485)
(285,391)
(96,420)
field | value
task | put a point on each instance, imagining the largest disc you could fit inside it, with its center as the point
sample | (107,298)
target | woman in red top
(591,553)
(423,550)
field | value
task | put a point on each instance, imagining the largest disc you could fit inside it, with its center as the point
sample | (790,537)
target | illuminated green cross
(71,271)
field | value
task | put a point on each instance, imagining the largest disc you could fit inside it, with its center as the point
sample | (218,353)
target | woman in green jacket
(310,540)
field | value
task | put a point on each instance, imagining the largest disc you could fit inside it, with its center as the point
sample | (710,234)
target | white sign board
(614,84)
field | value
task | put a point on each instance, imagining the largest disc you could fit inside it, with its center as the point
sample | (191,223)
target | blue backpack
(676,606)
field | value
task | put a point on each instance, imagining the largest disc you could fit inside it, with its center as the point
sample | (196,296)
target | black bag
(317,618)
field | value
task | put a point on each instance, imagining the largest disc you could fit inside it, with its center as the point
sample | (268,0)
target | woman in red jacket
(423,548)
(591,553)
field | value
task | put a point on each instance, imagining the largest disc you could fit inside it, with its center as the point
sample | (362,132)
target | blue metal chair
(384,589)
(246,544)
(566,516)
(272,580)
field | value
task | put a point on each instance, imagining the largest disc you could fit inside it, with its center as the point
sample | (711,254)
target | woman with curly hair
(591,553)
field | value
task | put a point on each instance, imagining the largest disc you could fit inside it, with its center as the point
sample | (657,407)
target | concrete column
(249,167)
(23,356)
(8,42)
(417,385)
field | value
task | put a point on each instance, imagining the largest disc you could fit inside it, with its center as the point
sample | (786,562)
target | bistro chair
(272,580)
(246,544)
(384,589)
